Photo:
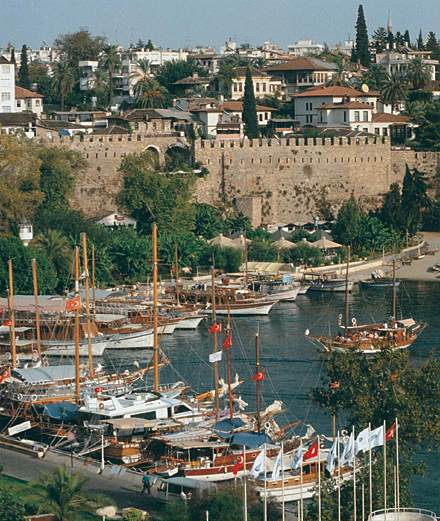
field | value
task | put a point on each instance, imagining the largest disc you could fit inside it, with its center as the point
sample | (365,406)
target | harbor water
(293,365)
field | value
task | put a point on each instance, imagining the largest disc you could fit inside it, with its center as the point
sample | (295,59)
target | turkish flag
(312,451)
(7,322)
(258,377)
(391,431)
(73,304)
(227,342)
(215,328)
(239,465)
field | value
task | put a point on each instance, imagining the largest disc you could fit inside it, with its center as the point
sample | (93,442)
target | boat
(329,283)
(189,321)
(67,347)
(378,280)
(276,289)
(261,307)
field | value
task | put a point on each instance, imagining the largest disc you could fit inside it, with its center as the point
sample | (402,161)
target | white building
(87,70)
(28,101)
(264,84)
(7,85)
(397,61)
(305,48)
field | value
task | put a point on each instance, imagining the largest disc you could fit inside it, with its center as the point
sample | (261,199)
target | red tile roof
(21,93)
(237,106)
(301,64)
(382,117)
(331,92)
(348,105)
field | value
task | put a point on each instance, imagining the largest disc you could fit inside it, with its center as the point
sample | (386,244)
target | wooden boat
(378,281)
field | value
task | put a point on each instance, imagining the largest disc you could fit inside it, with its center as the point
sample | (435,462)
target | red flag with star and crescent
(239,465)
(391,432)
(312,451)
(227,342)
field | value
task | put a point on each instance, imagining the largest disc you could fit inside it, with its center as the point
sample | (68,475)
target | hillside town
(220,277)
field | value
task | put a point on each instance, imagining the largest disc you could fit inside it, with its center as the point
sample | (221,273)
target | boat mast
(77,310)
(228,365)
(93,281)
(394,290)
(245,260)
(215,342)
(346,291)
(177,276)
(36,305)
(257,380)
(87,290)
(155,314)
(12,315)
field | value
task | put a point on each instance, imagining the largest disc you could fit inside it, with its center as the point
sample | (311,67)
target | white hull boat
(191,322)
(67,347)
(285,295)
(243,310)
(139,340)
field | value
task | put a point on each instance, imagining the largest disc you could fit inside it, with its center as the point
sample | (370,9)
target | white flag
(347,456)
(258,466)
(362,441)
(278,465)
(297,458)
(215,357)
(332,457)
(376,437)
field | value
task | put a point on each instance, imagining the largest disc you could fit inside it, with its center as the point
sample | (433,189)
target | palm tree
(63,80)
(57,248)
(111,62)
(375,77)
(339,78)
(393,89)
(142,72)
(63,492)
(150,94)
(418,73)
(101,83)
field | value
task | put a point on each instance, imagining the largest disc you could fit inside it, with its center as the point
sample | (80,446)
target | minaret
(389,23)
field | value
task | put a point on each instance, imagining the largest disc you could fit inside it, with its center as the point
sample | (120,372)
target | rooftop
(21,93)
(302,64)
(347,105)
(334,92)
(381,117)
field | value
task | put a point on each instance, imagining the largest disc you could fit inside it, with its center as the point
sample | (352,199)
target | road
(122,489)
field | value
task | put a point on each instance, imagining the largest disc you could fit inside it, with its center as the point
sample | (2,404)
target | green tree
(375,76)
(380,38)
(153,197)
(432,45)
(414,200)
(63,80)
(208,221)
(362,44)
(11,506)
(228,259)
(150,94)
(23,74)
(58,169)
(374,236)
(110,61)
(407,38)
(170,72)
(57,248)
(101,86)
(418,73)
(64,493)
(224,77)
(340,76)
(39,75)
(250,120)
(79,45)
(390,212)
(19,182)
(128,252)
(428,133)
(348,221)
(262,250)
(420,43)
(394,89)
(431,220)
(303,254)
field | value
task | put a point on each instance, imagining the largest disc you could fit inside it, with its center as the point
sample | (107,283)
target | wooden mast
(177,276)
(245,259)
(228,365)
(87,290)
(156,383)
(346,291)
(257,380)
(93,281)
(12,315)
(36,305)
(394,312)
(77,311)
(215,343)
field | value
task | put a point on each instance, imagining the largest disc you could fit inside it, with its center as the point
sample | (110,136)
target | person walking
(146,484)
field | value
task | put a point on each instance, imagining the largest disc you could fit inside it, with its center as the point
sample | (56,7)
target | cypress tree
(432,45)
(23,75)
(407,38)
(420,45)
(362,44)
(12,60)
(250,108)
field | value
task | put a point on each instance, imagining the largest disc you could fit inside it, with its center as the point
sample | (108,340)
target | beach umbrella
(224,242)
(284,244)
(326,244)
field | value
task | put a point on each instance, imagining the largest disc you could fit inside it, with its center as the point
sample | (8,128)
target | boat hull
(189,323)
(248,309)
(331,286)
(140,340)
(67,348)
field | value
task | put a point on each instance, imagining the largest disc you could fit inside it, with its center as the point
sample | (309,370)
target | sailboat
(371,338)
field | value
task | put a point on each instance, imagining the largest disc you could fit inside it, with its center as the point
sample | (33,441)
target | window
(266,116)
(356,115)
(37,103)
(385,132)
(6,96)
(345,116)
(240,87)
(257,87)
(5,69)
(264,87)
(365,115)
(260,117)
(235,87)
(18,103)
(377,131)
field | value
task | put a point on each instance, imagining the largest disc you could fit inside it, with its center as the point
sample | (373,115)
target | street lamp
(99,428)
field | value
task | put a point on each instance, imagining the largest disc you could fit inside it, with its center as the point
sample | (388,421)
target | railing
(397,511)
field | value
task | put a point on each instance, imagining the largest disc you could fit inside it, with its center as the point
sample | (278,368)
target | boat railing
(402,514)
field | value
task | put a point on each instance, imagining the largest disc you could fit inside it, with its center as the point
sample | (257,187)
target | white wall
(7,88)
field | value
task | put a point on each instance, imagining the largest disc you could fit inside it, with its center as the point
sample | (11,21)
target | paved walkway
(420,269)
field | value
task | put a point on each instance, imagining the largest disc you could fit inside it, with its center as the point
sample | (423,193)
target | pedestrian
(146,485)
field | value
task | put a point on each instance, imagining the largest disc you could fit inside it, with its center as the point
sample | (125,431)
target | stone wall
(426,162)
(295,178)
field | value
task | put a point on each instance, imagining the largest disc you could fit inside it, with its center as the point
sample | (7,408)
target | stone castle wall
(271,181)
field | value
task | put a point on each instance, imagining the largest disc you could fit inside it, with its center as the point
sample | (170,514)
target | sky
(183,23)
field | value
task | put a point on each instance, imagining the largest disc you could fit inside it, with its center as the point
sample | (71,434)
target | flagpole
(215,344)
(283,515)
(156,383)
(385,469)
(265,485)
(370,477)
(245,485)
(339,481)
(319,479)
(397,466)
(12,315)
(77,340)
(301,482)
(363,501)
(228,368)
(354,479)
